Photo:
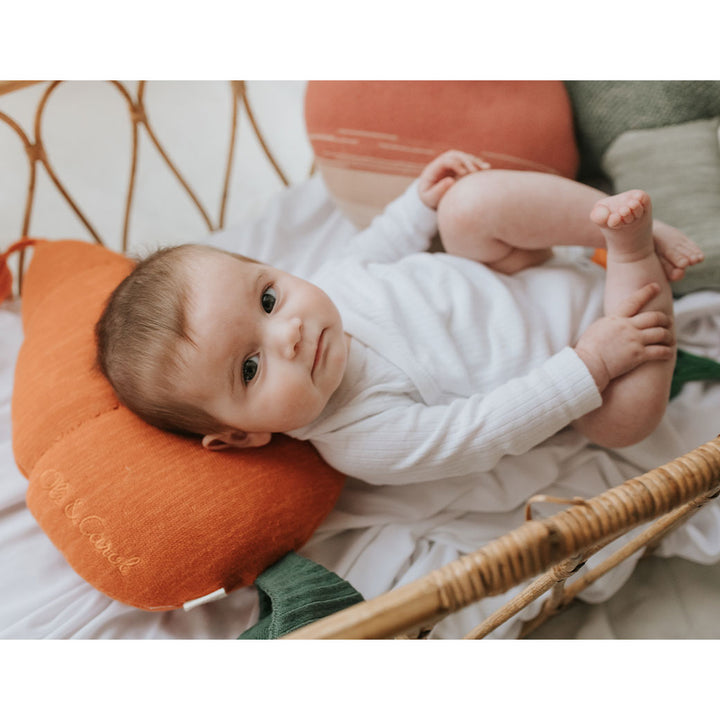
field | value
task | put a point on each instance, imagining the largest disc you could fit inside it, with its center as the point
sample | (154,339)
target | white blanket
(376,537)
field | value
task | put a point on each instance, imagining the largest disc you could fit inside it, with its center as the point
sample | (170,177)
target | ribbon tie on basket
(6,278)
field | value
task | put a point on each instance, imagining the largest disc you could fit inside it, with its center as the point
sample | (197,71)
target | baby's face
(270,347)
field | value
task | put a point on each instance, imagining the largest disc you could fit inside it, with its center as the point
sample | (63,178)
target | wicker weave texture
(532,548)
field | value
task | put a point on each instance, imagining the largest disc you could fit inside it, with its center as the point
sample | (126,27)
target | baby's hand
(614,345)
(443,171)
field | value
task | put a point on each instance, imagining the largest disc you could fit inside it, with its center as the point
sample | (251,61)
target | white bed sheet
(377,538)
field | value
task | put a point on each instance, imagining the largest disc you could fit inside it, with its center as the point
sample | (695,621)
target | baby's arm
(408,224)
(400,441)
(404,227)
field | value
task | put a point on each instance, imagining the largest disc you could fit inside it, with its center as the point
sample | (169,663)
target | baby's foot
(626,222)
(676,251)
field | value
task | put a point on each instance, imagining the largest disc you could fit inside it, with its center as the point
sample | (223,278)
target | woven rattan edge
(525,552)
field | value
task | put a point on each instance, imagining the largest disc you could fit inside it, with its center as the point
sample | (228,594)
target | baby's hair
(140,334)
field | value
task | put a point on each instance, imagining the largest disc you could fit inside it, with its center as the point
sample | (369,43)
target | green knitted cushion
(679,166)
(603,110)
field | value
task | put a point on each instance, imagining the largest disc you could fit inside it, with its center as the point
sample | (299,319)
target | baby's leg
(509,219)
(634,403)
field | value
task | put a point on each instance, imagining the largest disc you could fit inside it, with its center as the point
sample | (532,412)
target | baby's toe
(615,220)
(600,214)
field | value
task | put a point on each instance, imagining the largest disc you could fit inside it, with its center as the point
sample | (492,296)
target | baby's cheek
(291,407)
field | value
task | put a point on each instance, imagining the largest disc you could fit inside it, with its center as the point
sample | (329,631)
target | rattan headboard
(40,154)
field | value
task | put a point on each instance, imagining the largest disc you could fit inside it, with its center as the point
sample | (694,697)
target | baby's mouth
(318,352)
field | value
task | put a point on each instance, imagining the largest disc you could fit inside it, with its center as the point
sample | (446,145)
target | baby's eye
(268,299)
(249,369)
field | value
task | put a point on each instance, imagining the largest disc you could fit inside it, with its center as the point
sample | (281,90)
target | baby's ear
(235,439)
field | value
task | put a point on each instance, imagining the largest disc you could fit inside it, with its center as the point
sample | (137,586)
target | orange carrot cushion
(371,139)
(147,517)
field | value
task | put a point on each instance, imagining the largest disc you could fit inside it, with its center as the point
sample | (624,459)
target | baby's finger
(473,163)
(461,163)
(659,352)
(433,194)
(657,336)
(651,318)
(433,173)
(636,301)
(480,164)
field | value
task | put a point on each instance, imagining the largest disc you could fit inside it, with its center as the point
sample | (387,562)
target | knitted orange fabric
(147,517)
(600,257)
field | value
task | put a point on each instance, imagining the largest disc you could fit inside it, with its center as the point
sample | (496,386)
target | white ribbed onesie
(451,365)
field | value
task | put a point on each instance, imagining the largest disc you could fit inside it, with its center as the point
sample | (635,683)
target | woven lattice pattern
(37,155)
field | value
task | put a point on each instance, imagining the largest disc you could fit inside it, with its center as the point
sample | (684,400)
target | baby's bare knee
(464,214)
(455,213)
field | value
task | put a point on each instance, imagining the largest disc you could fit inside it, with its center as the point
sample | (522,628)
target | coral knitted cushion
(147,517)
(371,139)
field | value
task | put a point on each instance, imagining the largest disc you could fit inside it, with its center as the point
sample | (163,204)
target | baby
(404,366)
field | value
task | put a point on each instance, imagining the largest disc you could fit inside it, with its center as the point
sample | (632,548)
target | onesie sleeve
(412,442)
(406,226)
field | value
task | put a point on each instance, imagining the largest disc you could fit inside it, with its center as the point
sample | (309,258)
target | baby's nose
(291,337)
